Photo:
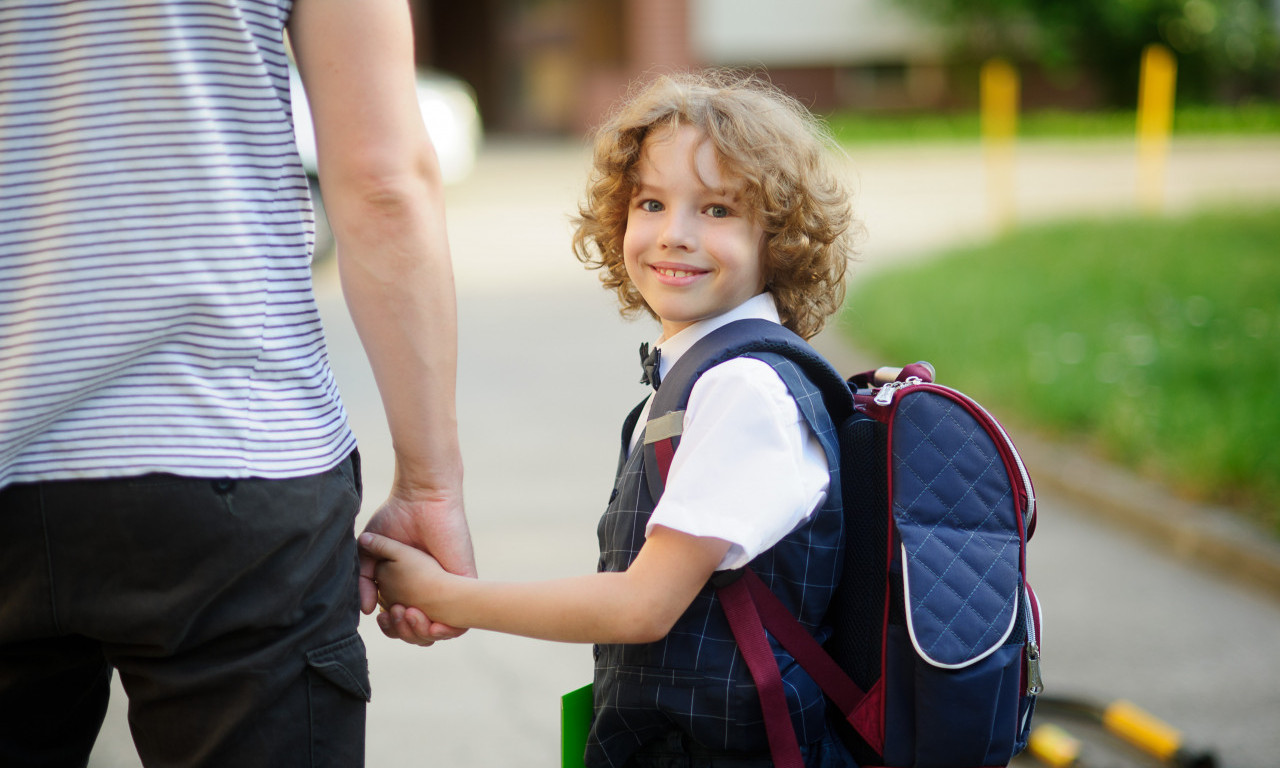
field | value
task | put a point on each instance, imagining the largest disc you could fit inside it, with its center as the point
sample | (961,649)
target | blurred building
(556,65)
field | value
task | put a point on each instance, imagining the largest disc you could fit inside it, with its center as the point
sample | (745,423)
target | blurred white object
(448,109)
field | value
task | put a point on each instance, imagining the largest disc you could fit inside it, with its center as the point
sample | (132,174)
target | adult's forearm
(383,194)
(394,262)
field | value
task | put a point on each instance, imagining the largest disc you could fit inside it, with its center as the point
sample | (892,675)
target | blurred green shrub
(1154,340)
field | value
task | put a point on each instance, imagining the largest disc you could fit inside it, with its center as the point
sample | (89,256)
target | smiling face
(693,248)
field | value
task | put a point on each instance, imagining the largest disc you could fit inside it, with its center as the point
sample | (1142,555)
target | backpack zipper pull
(1034,683)
(885,394)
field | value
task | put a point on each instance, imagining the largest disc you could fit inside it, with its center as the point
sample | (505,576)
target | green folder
(575,721)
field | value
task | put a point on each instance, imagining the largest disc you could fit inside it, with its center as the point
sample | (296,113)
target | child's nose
(677,231)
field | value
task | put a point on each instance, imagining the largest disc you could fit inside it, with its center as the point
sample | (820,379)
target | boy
(711,200)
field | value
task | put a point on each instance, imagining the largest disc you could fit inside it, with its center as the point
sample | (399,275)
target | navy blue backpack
(933,661)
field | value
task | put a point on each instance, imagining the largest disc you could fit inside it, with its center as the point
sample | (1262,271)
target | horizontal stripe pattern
(156,308)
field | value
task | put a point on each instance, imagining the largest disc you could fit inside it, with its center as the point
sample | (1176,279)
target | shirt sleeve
(748,469)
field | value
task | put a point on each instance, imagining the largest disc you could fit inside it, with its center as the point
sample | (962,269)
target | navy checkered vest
(695,680)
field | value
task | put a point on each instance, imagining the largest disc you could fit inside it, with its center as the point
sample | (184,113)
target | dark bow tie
(649,361)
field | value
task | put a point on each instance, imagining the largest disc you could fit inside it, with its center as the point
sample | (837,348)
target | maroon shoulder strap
(748,631)
(751,608)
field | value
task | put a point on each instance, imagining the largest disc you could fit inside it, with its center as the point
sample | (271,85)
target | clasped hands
(398,575)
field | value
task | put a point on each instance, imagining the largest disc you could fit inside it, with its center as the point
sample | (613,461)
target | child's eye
(650,206)
(717,211)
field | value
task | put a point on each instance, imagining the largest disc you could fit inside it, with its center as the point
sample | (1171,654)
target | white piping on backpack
(911,630)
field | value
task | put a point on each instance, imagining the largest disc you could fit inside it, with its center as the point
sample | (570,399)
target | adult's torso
(156,310)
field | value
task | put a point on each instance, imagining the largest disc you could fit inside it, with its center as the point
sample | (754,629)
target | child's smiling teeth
(670,272)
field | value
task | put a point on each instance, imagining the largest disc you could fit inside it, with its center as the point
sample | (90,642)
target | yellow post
(1155,123)
(1142,729)
(999,101)
(1053,746)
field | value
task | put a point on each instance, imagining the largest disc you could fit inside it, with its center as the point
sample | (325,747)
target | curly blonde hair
(762,137)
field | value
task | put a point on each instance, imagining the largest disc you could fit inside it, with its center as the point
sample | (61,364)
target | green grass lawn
(1245,119)
(1154,340)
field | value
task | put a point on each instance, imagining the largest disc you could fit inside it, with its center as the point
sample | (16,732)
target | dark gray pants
(229,608)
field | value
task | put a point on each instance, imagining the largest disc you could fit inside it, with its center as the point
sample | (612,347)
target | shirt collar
(761,306)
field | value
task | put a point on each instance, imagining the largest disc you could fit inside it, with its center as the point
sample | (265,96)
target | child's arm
(638,605)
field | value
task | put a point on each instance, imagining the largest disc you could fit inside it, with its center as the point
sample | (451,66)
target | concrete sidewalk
(547,370)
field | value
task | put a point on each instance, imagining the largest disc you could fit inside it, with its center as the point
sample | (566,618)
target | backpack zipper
(884,395)
(1035,685)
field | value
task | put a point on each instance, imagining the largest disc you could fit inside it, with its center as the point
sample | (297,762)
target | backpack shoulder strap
(741,337)
(748,604)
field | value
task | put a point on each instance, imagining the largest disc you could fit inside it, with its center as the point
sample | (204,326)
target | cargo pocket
(344,665)
(338,690)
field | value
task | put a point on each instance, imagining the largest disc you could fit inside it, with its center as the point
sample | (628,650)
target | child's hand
(404,576)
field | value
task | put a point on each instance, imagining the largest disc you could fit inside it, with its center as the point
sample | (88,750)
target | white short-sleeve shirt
(749,469)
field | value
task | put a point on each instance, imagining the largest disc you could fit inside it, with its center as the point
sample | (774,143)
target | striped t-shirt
(156,310)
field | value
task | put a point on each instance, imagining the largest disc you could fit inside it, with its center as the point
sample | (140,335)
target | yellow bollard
(1053,746)
(1155,123)
(999,103)
(1142,730)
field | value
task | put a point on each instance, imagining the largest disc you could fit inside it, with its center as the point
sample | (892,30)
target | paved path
(547,370)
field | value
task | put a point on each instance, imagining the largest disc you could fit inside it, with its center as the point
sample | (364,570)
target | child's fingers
(407,624)
(438,631)
(379,547)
